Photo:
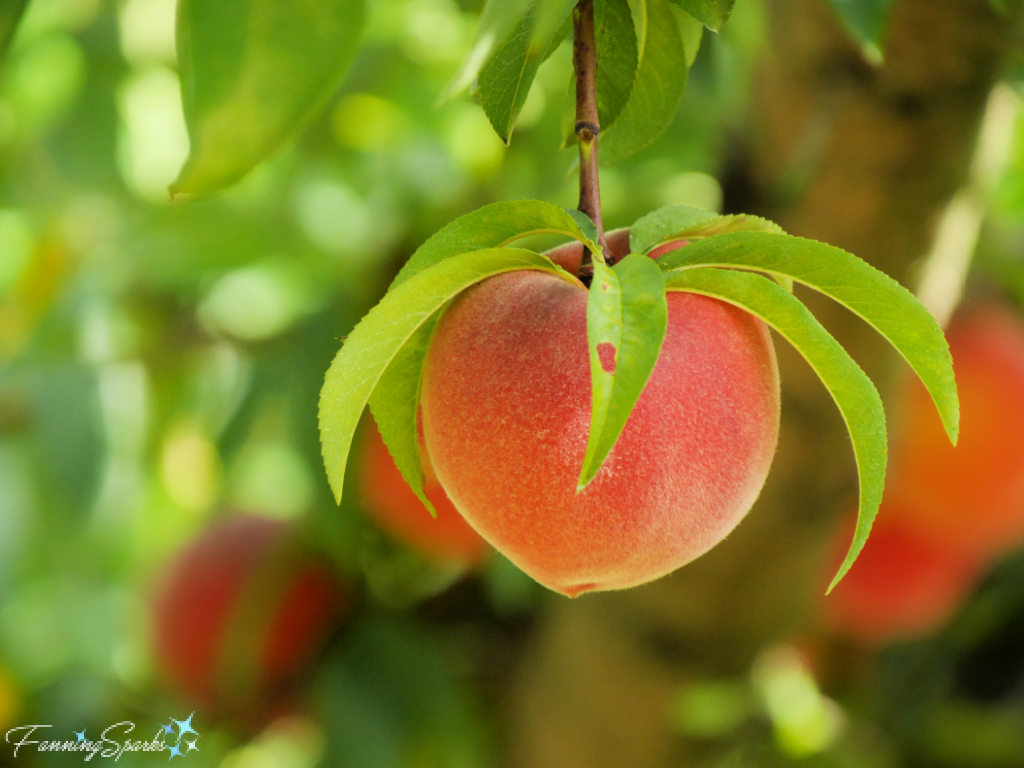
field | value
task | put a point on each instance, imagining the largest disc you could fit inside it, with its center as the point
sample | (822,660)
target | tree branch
(588,126)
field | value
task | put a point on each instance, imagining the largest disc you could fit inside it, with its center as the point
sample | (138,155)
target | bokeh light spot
(153,141)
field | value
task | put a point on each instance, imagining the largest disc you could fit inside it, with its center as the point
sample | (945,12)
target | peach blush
(396,509)
(506,411)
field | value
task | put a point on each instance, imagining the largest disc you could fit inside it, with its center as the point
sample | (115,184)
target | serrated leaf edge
(596,454)
(706,229)
(870,497)
(418,482)
(581,237)
(336,469)
(951,424)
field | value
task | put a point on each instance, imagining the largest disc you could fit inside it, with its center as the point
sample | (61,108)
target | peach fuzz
(506,407)
(395,508)
(971,496)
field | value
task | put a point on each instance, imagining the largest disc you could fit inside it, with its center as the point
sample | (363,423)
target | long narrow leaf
(495,226)
(886,305)
(618,57)
(712,13)
(395,407)
(506,79)
(552,14)
(498,19)
(849,386)
(666,224)
(374,344)
(684,222)
(867,21)
(692,32)
(252,74)
(627,315)
(658,87)
(11,12)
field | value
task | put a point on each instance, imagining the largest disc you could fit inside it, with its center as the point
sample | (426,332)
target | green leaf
(379,338)
(658,88)
(395,405)
(497,21)
(692,32)
(889,307)
(587,227)
(569,115)
(618,57)
(617,61)
(10,14)
(684,222)
(553,24)
(722,225)
(627,315)
(849,386)
(253,72)
(712,13)
(867,21)
(666,224)
(495,226)
(506,79)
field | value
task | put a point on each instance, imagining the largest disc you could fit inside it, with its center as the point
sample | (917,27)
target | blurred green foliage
(160,364)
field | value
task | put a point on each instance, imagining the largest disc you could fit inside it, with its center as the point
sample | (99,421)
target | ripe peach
(240,613)
(902,586)
(970,496)
(506,412)
(570,255)
(393,506)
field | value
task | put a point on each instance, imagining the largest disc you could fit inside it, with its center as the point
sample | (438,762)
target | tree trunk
(859,157)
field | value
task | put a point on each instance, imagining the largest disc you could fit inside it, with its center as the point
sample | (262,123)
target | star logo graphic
(185,726)
(181,744)
(81,735)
